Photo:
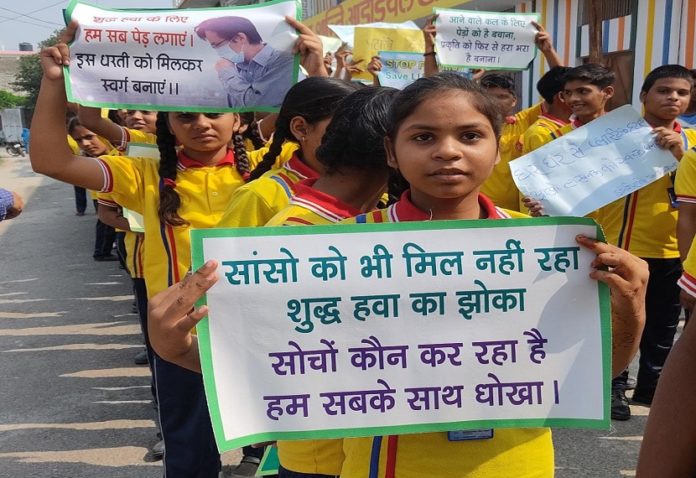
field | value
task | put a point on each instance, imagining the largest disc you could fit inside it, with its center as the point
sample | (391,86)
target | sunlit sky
(35,20)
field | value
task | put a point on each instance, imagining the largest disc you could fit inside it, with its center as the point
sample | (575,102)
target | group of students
(344,153)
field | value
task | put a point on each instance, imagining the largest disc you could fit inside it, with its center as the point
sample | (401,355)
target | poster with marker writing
(488,40)
(594,165)
(202,59)
(378,329)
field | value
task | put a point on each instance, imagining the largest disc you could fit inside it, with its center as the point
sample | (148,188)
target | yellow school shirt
(685,189)
(255,203)
(512,452)
(546,128)
(687,281)
(133,242)
(645,223)
(499,186)
(685,182)
(136,136)
(205,192)
(312,207)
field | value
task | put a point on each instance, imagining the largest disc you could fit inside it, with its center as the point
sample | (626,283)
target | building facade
(637,35)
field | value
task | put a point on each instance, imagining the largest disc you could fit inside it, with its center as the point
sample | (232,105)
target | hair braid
(241,158)
(169,198)
(280,135)
(254,135)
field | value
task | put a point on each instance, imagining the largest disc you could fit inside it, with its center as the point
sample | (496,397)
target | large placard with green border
(377,329)
(199,59)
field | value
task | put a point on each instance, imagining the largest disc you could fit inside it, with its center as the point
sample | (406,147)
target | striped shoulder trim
(284,184)
(315,208)
(106,202)
(391,213)
(108,184)
(687,283)
(297,220)
(688,199)
(502,213)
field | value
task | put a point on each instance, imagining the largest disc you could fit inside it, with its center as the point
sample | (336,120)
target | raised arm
(627,278)
(91,119)
(310,48)
(543,43)
(430,65)
(50,153)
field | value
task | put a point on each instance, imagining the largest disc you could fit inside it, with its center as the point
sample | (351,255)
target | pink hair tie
(169,182)
(246,176)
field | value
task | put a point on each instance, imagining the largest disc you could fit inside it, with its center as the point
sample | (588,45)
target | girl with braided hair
(190,186)
(302,120)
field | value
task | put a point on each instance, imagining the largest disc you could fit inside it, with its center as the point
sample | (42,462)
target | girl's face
(88,141)
(203,132)
(141,120)
(445,149)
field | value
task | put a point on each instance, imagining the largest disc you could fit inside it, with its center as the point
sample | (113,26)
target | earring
(303,139)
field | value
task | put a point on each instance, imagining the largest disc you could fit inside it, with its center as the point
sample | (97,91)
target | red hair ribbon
(169,182)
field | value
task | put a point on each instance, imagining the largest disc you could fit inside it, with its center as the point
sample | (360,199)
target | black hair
(494,80)
(592,73)
(314,99)
(666,71)
(355,137)
(252,131)
(169,199)
(73,123)
(229,27)
(408,99)
(552,83)
(114,117)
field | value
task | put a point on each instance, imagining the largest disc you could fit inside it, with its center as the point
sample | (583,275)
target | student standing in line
(501,88)
(184,189)
(443,137)
(643,222)
(303,118)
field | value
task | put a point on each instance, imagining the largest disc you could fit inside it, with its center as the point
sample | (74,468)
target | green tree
(10,100)
(28,77)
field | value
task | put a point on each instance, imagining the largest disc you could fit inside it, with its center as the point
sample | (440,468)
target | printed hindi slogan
(499,41)
(593,166)
(356,330)
(182,59)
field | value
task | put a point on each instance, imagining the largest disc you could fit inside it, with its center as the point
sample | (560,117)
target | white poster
(219,59)
(495,41)
(594,165)
(375,329)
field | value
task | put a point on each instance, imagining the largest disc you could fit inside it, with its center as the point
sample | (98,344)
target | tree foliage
(10,100)
(28,77)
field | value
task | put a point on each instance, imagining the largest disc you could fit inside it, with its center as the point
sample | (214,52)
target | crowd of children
(341,152)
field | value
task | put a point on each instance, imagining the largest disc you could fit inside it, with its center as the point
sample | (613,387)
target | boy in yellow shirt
(557,114)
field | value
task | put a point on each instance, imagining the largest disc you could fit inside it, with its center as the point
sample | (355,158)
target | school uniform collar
(299,167)
(676,126)
(554,119)
(187,162)
(404,210)
(321,203)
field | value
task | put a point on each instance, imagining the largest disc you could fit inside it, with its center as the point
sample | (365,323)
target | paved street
(74,404)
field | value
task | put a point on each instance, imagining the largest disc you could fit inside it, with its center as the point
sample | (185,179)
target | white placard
(594,165)
(497,41)
(172,60)
(355,330)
